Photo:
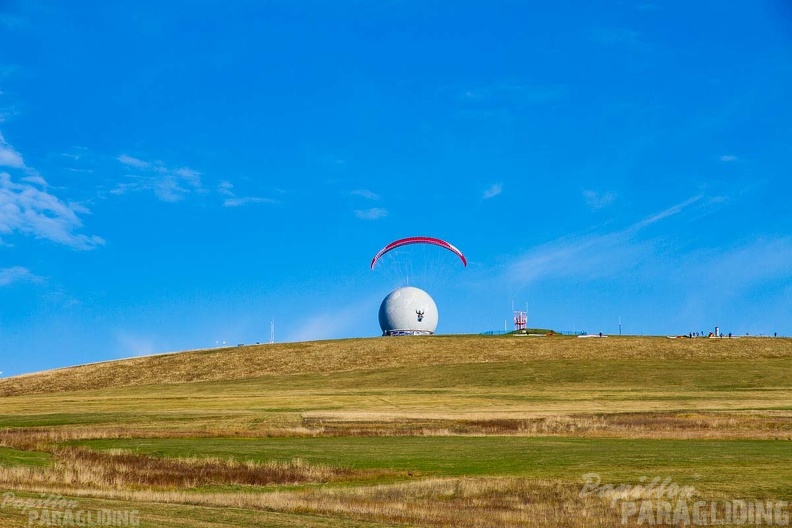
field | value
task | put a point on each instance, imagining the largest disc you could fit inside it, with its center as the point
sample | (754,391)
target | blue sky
(174,174)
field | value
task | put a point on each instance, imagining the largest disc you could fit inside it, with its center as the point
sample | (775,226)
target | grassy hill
(429,431)
(237,363)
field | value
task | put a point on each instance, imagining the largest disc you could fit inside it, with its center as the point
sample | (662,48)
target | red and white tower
(520,320)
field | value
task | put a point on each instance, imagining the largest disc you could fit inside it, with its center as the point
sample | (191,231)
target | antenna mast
(272,331)
(520,319)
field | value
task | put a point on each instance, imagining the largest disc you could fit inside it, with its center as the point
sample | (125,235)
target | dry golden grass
(76,467)
(669,425)
(176,515)
(528,391)
(688,425)
(486,502)
(479,503)
(626,387)
(365,354)
(459,502)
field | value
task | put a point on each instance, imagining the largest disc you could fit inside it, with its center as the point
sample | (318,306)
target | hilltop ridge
(244,362)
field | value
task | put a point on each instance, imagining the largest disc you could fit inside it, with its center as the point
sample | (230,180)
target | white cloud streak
(492,191)
(226,188)
(129,161)
(583,256)
(173,185)
(167,184)
(740,267)
(371,214)
(596,200)
(365,193)
(237,202)
(26,207)
(9,157)
(671,211)
(590,256)
(29,209)
(15,274)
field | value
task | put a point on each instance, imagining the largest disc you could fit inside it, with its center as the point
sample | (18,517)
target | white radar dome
(408,311)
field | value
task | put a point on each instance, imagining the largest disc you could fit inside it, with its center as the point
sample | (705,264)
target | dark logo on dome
(420,314)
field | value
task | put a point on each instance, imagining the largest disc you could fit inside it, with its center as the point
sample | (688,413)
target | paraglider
(408,310)
(418,240)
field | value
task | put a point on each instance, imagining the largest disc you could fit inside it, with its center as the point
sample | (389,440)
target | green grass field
(402,431)
(709,465)
(17,457)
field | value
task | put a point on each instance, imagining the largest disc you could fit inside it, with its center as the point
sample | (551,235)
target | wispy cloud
(671,211)
(9,157)
(237,202)
(168,184)
(191,176)
(584,256)
(133,162)
(335,323)
(34,177)
(365,193)
(728,158)
(226,188)
(744,286)
(15,274)
(598,200)
(591,255)
(29,209)
(736,267)
(492,191)
(371,214)
(7,111)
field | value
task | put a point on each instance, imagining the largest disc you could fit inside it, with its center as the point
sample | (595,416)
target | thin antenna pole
(620,325)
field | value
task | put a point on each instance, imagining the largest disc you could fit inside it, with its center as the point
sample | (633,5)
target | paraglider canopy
(418,240)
